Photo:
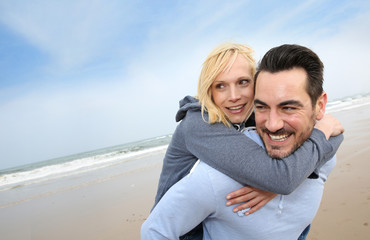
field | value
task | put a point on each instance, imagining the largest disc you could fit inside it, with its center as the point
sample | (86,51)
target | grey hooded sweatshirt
(232,153)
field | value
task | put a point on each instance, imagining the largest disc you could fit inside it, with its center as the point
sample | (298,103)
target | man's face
(284,114)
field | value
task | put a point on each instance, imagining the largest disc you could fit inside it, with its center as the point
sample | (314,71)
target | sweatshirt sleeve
(239,157)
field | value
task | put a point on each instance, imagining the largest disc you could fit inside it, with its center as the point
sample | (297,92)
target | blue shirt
(200,197)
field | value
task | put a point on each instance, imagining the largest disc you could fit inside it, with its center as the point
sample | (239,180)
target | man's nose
(274,121)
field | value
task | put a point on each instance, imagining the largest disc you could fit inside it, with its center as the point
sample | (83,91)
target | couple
(288,153)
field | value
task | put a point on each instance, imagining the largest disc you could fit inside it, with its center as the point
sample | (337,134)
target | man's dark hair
(289,56)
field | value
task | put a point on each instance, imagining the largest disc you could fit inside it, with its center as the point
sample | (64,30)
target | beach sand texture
(344,212)
(112,203)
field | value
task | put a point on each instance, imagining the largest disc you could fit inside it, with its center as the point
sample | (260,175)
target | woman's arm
(239,157)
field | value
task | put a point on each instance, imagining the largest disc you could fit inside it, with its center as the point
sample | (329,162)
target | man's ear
(320,106)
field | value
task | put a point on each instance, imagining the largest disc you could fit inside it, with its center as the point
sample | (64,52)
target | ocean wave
(348,103)
(21,178)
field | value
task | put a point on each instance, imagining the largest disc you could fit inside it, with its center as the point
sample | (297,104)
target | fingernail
(246,214)
(228,197)
(236,210)
(228,203)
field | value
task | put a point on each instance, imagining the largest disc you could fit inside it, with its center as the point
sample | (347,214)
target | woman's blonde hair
(220,60)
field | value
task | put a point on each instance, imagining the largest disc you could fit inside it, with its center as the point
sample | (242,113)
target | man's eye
(288,108)
(259,107)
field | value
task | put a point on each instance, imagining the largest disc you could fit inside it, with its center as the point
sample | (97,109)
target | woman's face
(232,91)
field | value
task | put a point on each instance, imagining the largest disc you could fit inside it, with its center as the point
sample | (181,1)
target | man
(288,99)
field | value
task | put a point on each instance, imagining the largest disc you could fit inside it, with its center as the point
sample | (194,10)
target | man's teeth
(235,108)
(279,138)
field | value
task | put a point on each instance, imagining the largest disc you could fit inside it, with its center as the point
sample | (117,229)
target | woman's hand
(250,197)
(330,126)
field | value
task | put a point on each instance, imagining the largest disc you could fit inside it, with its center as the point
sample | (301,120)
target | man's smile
(280,137)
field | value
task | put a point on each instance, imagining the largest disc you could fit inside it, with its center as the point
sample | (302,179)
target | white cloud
(73,33)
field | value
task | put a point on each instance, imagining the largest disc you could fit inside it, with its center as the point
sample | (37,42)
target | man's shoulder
(251,132)
(217,179)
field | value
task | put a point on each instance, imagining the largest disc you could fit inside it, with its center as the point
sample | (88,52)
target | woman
(225,94)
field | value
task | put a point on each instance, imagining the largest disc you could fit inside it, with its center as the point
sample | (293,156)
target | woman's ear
(320,106)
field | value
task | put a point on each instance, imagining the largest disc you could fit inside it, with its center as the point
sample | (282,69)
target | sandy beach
(344,212)
(112,203)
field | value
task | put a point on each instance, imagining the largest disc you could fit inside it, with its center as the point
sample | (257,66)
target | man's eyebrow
(288,102)
(257,101)
(291,102)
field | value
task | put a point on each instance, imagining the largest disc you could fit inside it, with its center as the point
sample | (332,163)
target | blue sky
(81,75)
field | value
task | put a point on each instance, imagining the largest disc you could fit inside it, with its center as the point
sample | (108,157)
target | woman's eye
(220,86)
(244,82)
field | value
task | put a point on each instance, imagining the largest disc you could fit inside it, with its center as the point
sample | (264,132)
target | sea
(39,172)
(102,158)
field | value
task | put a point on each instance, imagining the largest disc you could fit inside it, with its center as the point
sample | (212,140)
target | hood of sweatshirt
(186,104)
